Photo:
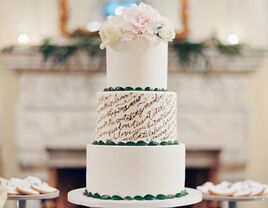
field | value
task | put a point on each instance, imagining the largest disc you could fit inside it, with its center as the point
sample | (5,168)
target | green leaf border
(146,197)
(110,89)
(138,143)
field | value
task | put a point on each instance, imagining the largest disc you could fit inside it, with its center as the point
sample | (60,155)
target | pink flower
(143,17)
(139,21)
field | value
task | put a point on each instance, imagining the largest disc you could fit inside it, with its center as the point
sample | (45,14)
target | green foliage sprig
(189,53)
(61,53)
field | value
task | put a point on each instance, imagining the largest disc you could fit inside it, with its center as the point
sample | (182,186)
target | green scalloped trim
(128,198)
(139,143)
(109,89)
(138,197)
(149,197)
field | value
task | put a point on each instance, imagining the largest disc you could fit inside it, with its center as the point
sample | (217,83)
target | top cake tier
(137,47)
(135,64)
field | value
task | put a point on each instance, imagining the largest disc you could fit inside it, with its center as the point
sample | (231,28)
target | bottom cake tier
(135,172)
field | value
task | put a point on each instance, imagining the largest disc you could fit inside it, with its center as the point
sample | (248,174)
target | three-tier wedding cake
(135,154)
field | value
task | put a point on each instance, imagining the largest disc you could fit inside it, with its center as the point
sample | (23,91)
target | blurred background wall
(246,18)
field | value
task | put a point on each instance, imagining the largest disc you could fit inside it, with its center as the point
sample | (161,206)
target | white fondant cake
(135,154)
(135,116)
(134,64)
(132,171)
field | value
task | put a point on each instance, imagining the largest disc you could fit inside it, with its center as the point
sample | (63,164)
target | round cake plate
(21,199)
(34,197)
(232,200)
(76,197)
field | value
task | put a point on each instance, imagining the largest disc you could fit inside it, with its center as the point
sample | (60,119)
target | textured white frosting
(136,64)
(136,116)
(135,170)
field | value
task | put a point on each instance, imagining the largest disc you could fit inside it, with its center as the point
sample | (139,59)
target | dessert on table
(136,154)
(246,188)
(28,186)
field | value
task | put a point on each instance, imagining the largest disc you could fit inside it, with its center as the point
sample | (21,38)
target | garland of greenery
(188,53)
(138,198)
(60,54)
(139,143)
(109,89)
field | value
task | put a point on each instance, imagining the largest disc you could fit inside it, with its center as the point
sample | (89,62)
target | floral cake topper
(139,21)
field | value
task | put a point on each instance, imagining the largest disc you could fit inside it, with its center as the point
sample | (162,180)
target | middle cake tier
(147,117)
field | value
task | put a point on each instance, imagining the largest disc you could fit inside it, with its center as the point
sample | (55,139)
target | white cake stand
(76,197)
(232,201)
(22,199)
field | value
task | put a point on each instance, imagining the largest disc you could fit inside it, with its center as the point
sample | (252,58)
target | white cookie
(218,190)
(252,183)
(240,185)
(15,182)
(224,184)
(243,192)
(265,192)
(203,189)
(43,188)
(26,190)
(33,180)
(208,184)
(257,191)
(12,190)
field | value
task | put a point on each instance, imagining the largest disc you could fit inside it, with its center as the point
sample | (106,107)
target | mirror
(85,17)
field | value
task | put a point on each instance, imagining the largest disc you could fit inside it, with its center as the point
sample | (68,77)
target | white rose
(166,29)
(110,35)
(165,33)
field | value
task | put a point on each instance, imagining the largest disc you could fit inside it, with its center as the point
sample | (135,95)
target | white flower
(166,30)
(139,21)
(110,35)
(152,40)
(165,33)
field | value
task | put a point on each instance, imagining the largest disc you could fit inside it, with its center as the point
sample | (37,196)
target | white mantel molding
(31,59)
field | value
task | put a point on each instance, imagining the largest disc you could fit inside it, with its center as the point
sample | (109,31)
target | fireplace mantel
(56,104)
(29,59)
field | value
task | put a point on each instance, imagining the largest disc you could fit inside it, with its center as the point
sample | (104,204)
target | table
(76,197)
(22,199)
(232,201)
